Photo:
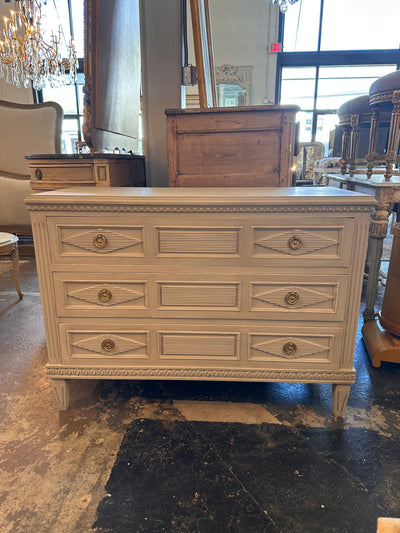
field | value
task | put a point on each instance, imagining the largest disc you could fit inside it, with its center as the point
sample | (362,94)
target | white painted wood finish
(248,284)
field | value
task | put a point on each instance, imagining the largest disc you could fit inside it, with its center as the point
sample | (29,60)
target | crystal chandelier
(283,4)
(26,59)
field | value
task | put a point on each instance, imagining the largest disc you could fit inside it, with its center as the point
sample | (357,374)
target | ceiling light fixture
(26,58)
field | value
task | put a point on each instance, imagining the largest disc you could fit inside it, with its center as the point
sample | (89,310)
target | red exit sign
(275,47)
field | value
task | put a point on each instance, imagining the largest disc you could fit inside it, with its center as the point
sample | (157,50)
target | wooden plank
(203,50)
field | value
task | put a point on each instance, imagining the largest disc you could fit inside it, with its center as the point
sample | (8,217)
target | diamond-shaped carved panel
(296,242)
(264,347)
(265,296)
(107,295)
(111,344)
(104,241)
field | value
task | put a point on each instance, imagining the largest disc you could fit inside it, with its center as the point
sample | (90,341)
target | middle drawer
(268,296)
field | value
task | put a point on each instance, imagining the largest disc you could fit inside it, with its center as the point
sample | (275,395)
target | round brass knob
(104,295)
(108,345)
(292,298)
(38,174)
(290,348)
(100,241)
(295,242)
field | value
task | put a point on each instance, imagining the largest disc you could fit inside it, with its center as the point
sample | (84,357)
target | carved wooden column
(393,135)
(372,140)
(354,141)
(377,232)
(345,148)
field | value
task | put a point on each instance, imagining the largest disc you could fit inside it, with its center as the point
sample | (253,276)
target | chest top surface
(282,198)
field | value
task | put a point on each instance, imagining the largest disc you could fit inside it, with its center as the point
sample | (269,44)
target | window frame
(333,58)
(38,94)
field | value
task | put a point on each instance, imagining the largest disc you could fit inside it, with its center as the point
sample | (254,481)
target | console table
(250,284)
(57,171)
(386,194)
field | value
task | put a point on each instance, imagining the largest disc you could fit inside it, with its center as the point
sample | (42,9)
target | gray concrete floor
(54,466)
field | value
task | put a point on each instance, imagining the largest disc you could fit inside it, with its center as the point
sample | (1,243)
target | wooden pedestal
(380,344)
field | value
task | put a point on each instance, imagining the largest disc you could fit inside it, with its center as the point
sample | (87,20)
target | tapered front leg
(61,390)
(340,395)
(15,260)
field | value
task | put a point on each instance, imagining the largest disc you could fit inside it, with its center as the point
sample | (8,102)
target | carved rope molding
(382,97)
(345,120)
(199,208)
(345,377)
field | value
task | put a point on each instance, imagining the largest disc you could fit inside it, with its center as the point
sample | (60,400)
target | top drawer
(259,241)
(68,173)
(90,241)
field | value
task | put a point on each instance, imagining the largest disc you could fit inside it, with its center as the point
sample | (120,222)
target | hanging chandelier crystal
(283,4)
(26,59)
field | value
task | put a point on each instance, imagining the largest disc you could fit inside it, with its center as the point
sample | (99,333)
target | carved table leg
(61,390)
(340,395)
(15,260)
(377,232)
(374,260)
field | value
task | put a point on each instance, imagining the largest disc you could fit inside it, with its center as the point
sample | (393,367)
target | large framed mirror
(112,74)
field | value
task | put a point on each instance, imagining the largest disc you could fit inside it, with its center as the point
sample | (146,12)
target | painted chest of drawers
(251,284)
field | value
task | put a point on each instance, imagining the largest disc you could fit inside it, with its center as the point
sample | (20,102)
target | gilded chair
(384,99)
(354,119)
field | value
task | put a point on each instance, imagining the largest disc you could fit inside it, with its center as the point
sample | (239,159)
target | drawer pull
(290,348)
(108,345)
(38,174)
(295,242)
(100,241)
(292,298)
(104,295)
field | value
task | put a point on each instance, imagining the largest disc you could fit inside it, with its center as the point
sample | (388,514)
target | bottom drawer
(188,345)
(88,345)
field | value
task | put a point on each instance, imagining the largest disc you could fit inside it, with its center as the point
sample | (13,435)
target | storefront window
(330,56)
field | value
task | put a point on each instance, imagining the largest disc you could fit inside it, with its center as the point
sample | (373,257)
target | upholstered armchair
(24,129)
